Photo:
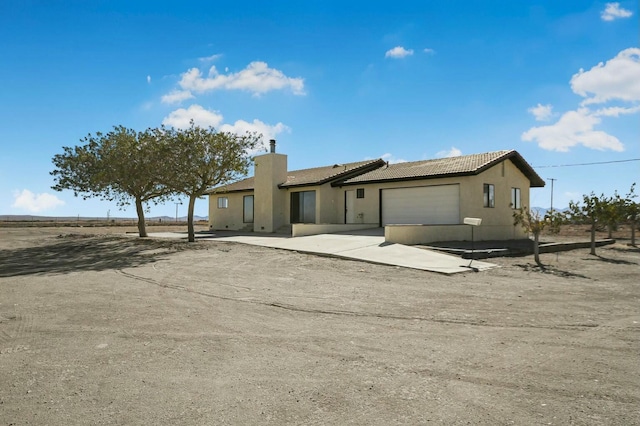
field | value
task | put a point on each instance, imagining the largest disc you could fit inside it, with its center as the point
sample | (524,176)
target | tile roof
(320,175)
(305,177)
(441,167)
(371,171)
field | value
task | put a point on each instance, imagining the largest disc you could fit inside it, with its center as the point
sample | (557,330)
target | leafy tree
(613,213)
(592,211)
(534,223)
(632,212)
(197,159)
(120,166)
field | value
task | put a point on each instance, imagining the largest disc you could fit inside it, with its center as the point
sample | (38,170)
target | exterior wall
(425,234)
(231,217)
(269,201)
(471,195)
(327,203)
(273,210)
(503,176)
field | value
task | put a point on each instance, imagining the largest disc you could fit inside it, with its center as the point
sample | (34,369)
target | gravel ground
(102,329)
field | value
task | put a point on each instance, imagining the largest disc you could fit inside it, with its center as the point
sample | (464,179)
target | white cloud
(572,129)
(211,58)
(257,78)
(616,111)
(398,52)
(391,159)
(453,152)
(181,118)
(613,11)
(617,79)
(267,131)
(429,51)
(541,112)
(176,96)
(34,203)
(149,79)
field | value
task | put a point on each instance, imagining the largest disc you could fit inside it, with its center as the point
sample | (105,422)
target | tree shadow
(84,253)
(609,260)
(532,267)
(628,249)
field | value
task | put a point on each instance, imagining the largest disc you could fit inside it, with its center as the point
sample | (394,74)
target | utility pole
(177,211)
(552,180)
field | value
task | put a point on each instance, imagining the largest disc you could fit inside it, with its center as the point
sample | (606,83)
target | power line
(589,164)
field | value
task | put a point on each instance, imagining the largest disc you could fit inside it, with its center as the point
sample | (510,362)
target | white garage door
(424,205)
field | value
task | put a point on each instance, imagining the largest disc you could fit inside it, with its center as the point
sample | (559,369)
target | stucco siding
(231,217)
(330,202)
(503,176)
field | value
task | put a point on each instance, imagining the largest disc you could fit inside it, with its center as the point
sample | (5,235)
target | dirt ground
(108,329)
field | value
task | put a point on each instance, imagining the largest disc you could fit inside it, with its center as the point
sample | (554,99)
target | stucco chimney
(269,199)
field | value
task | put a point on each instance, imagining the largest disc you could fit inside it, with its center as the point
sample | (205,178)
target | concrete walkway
(369,248)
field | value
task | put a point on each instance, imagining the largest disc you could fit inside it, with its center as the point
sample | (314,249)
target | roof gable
(321,175)
(445,167)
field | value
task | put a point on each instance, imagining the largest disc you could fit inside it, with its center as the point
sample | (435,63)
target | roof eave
(213,191)
(408,178)
(338,177)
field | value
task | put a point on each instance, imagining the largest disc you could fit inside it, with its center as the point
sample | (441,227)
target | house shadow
(75,253)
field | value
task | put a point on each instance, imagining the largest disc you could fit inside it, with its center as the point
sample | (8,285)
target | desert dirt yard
(99,328)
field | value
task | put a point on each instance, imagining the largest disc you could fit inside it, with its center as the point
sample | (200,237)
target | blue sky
(332,81)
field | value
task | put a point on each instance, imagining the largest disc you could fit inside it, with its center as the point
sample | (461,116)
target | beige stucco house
(416,202)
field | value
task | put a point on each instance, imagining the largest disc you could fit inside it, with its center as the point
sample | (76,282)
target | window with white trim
(223,202)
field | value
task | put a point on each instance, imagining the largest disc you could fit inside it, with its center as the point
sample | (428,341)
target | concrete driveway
(362,246)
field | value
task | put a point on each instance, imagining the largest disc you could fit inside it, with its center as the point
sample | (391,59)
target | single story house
(416,202)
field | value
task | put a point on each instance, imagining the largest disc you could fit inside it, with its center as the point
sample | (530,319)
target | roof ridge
(336,164)
(408,163)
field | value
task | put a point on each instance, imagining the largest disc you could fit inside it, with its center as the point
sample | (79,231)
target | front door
(349,206)
(247,207)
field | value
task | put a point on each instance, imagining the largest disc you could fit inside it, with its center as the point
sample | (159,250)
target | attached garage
(421,205)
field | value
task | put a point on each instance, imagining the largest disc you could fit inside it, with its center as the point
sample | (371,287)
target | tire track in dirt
(338,312)
(13,329)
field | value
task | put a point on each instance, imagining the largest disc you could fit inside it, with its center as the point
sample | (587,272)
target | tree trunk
(191,232)
(593,239)
(536,248)
(142,229)
(609,231)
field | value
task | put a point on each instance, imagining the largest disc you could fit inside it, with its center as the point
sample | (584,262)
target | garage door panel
(426,205)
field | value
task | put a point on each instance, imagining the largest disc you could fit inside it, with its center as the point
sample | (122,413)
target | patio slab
(368,248)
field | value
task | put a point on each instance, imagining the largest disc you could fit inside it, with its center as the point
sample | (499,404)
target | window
(223,202)
(489,195)
(303,207)
(360,193)
(515,198)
